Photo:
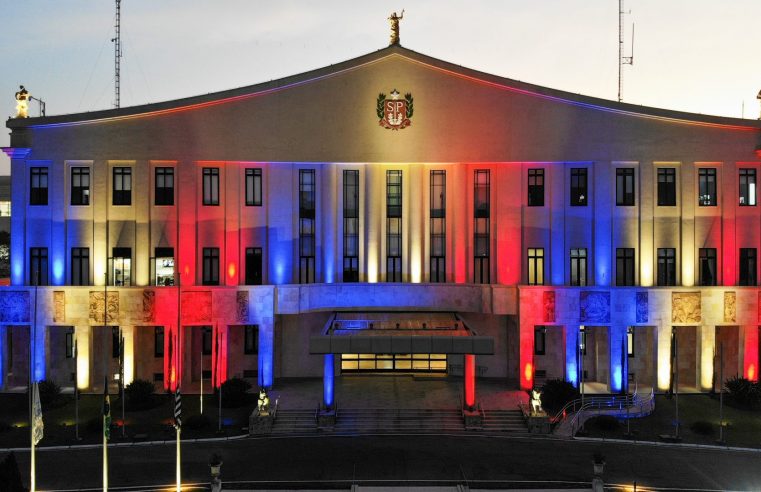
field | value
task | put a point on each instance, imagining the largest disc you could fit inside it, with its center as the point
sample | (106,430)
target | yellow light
(664,357)
(83,357)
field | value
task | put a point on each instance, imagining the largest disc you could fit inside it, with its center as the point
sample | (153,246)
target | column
(707,343)
(328,396)
(128,332)
(664,356)
(19,188)
(266,350)
(470,381)
(572,354)
(750,351)
(526,357)
(617,338)
(83,336)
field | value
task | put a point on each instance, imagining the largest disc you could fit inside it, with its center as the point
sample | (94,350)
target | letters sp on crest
(395,112)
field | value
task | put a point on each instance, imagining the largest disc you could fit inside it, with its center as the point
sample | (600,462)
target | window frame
(81,192)
(210,186)
(666,187)
(625,176)
(38,195)
(626,258)
(121,191)
(81,260)
(579,271)
(351,201)
(535,256)
(161,196)
(579,189)
(746,176)
(253,186)
(707,257)
(251,334)
(39,259)
(394,210)
(535,187)
(158,341)
(666,257)
(748,274)
(438,226)
(540,340)
(210,274)
(708,182)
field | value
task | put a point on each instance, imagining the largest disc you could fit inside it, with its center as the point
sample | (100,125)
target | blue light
(265,355)
(58,277)
(18,269)
(571,355)
(37,346)
(2,353)
(328,381)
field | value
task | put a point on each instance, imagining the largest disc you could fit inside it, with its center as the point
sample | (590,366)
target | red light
(470,380)
(231,270)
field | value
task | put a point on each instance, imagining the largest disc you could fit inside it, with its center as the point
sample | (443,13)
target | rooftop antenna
(623,60)
(117,53)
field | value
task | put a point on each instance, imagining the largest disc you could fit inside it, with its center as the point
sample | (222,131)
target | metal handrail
(575,405)
(635,401)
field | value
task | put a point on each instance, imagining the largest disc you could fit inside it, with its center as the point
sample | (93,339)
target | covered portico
(399,342)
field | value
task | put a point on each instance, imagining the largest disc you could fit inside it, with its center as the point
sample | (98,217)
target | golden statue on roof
(22,102)
(394,19)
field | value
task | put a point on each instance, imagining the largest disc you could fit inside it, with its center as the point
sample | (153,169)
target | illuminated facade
(578,235)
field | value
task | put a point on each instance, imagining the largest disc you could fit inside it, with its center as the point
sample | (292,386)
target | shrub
(139,395)
(702,427)
(606,423)
(95,425)
(196,422)
(556,393)
(4,426)
(235,392)
(744,392)
(49,393)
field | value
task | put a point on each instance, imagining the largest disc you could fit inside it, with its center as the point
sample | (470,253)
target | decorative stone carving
(14,306)
(149,305)
(685,307)
(196,306)
(96,307)
(594,307)
(642,307)
(242,306)
(730,307)
(548,302)
(59,304)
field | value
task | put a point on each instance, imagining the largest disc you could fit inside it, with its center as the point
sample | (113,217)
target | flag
(37,424)
(106,411)
(177,408)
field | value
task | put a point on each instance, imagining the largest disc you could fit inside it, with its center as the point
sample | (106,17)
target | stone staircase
(497,421)
(405,421)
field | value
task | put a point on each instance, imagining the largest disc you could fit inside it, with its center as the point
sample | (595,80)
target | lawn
(154,423)
(743,427)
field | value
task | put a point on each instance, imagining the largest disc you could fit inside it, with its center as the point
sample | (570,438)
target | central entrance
(394,363)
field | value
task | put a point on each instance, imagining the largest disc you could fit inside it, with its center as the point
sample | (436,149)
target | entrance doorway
(728,342)
(17,357)
(594,346)
(549,354)
(641,348)
(686,363)
(394,363)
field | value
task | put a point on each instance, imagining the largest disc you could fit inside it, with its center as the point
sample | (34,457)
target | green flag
(37,416)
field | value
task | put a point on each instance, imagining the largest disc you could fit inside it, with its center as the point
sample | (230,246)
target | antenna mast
(623,60)
(117,54)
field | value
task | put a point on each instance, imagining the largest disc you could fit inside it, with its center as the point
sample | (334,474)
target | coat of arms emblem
(394,112)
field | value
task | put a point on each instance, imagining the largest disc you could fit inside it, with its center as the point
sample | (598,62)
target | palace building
(393,213)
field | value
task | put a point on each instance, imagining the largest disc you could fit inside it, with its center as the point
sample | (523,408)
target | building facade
(584,238)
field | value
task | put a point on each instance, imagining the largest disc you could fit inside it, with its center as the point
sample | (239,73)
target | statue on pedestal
(536,403)
(263,404)
(22,103)
(394,19)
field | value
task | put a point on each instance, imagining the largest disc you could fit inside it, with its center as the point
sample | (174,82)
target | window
(251,340)
(666,266)
(535,266)
(438,213)
(625,186)
(540,340)
(164,191)
(253,266)
(747,187)
(5,208)
(80,185)
(116,342)
(707,259)
(579,267)
(210,266)
(121,271)
(583,344)
(122,186)
(630,341)
(351,226)
(211,186)
(666,187)
(38,266)
(306,226)
(38,182)
(579,186)
(482,214)
(748,266)
(69,348)
(707,187)
(624,267)
(158,341)
(536,187)
(393,226)
(206,340)
(253,187)
(80,266)
(164,261)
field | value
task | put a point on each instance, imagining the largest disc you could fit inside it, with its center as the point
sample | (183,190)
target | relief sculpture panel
(242,306)
(14,306)
(149,305)
(594,307)
(548,302)
(59,305)
(96,307)
(685,307)
(642,307)
(196,306)
(730,307)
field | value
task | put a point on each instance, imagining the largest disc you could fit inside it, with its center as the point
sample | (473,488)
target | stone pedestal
(260,423)
(539,424)
(473,419)
(326,419)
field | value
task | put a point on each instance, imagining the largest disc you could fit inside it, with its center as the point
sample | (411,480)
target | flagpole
(201,396)
(76,391)
(121,376)
(219,379)
(33,467)
(179,479)
(106,431)
(32,386)
(178,429)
